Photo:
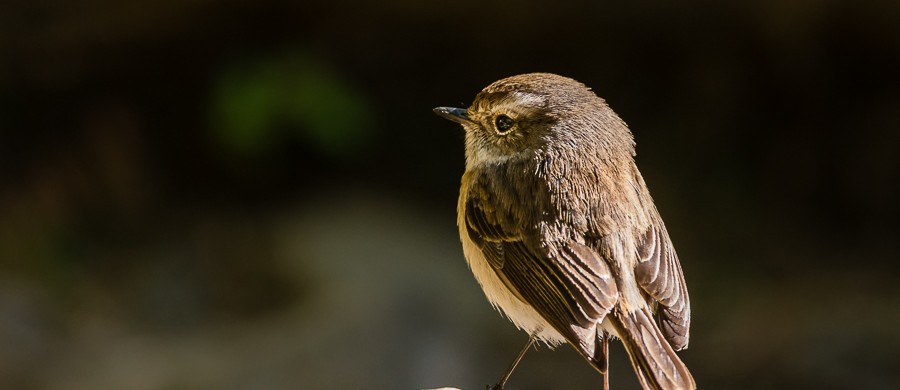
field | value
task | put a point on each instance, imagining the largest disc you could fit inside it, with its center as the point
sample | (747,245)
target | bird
(559,229)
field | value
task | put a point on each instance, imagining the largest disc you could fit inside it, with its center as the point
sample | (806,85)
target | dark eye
(503,123)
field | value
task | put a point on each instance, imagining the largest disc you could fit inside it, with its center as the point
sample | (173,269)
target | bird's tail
(655,362)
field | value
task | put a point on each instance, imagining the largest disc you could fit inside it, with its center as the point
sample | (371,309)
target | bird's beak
(458,115)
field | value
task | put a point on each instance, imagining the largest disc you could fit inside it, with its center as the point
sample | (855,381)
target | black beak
(458,115)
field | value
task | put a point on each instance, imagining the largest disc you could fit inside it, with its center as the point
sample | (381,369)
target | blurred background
(256,195)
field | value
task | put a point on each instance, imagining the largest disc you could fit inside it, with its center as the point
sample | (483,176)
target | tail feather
(655,362)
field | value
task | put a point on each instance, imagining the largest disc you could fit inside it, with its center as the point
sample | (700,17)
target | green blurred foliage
(255,104)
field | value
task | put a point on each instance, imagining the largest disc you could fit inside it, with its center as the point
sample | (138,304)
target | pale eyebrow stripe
(529,99)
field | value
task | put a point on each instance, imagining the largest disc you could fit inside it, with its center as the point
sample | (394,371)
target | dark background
(256,195)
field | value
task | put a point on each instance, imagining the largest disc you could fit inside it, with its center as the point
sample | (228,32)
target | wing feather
(567,283)
(659,273)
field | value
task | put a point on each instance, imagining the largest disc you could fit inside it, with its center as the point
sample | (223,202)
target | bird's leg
(605,363)
(512,367)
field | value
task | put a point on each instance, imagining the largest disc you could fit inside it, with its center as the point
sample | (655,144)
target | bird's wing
(659,273)
(568,284)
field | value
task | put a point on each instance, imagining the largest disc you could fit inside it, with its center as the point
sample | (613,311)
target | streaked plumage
(560,231)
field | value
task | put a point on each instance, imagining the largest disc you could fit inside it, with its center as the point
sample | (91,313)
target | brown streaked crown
(530,111)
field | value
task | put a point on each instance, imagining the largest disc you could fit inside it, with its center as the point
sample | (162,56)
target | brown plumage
(560,230)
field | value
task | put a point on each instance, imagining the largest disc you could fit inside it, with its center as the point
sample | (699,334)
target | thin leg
(512,367)
(605,361)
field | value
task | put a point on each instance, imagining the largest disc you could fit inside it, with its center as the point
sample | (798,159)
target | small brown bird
(560,231)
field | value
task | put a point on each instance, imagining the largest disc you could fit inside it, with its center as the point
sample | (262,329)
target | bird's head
(528,114)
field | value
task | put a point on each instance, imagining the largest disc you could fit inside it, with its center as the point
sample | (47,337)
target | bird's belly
(520,313)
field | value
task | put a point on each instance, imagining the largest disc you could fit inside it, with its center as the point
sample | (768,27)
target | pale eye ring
(503,123)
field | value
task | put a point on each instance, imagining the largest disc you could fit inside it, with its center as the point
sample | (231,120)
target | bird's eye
(503,123)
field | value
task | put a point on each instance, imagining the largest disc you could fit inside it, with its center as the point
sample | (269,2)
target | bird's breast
(497,292)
